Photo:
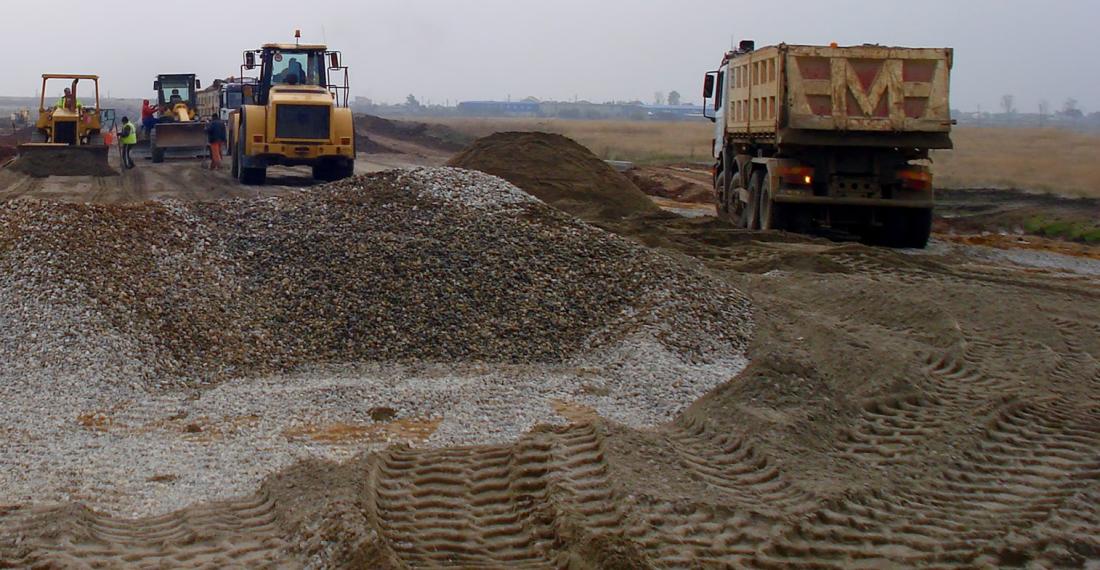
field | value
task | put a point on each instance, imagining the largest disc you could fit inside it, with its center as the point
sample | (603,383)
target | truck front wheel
(722,197)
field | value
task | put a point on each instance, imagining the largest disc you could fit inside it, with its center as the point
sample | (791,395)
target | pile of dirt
(560,172)
(388,267)
(67,161)
(433,136)
(686,184)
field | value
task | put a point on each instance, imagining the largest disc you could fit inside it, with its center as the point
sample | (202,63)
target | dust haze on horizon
(446,51)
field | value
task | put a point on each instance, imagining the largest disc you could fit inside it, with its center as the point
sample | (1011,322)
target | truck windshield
(233,99)
(172,88)
(297,67)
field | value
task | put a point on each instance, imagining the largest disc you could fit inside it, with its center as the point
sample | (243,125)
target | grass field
(1046,160)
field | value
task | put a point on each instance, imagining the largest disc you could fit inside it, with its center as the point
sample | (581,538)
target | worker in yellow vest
(127,137)
(69,101)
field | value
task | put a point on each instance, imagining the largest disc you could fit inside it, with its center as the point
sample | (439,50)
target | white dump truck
(830,137)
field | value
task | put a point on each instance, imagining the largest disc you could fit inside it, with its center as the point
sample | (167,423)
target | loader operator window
(297,68)
(170,91)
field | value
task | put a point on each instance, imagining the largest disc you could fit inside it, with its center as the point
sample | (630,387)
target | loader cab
(295,66)
(176,88)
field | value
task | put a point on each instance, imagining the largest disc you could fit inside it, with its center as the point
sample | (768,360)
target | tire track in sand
(241,533)
(1032,459)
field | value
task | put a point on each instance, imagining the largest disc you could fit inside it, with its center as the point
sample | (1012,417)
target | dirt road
(188,180)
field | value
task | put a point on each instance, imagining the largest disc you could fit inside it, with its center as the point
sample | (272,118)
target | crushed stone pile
(436,265)
(162,354)
(560,172)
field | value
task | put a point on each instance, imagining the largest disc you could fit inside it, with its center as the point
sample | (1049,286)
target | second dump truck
(829,136)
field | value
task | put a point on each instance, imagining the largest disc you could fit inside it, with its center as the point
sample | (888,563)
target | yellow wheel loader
(68,137)
(298,114)
(179,128)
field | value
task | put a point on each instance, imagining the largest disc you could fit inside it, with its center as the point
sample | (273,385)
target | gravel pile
(163,354)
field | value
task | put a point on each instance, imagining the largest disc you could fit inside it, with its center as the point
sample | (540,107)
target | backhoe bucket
(48,159)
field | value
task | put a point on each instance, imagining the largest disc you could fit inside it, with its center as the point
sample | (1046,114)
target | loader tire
(235,164)
(253,176)
(245,175)
(333,170)
(155,154)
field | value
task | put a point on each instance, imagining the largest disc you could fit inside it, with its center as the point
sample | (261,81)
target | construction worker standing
(127,137)
(216,136)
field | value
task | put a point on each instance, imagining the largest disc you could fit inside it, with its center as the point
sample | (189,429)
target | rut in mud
(900,410)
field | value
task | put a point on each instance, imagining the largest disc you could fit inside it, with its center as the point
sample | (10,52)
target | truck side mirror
(334,60)
(198,84)
(156,86)
(708,86)
(249,60)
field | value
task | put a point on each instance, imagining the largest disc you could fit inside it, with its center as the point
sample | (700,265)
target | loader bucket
(45,159)
(180,135)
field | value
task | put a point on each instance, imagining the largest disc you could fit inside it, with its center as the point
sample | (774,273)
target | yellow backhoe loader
(68,138)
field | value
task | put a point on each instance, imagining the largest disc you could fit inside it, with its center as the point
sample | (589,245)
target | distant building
(674,112)
(499,108)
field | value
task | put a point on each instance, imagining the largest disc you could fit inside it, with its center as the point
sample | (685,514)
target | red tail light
(915,179)
(796,175)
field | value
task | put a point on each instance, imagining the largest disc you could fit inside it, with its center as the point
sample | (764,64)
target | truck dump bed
(864,95)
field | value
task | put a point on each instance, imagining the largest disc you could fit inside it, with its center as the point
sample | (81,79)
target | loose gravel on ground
(162,354)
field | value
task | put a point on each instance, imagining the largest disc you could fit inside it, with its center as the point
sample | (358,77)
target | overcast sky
(599,50)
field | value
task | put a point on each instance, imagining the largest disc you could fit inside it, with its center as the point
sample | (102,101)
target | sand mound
(558,171)
(439,137)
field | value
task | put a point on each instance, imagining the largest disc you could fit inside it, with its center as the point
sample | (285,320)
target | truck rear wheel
(909,228)
(751,216)
(770,212)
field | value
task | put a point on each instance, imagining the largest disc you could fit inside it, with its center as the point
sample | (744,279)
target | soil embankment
(559,172)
